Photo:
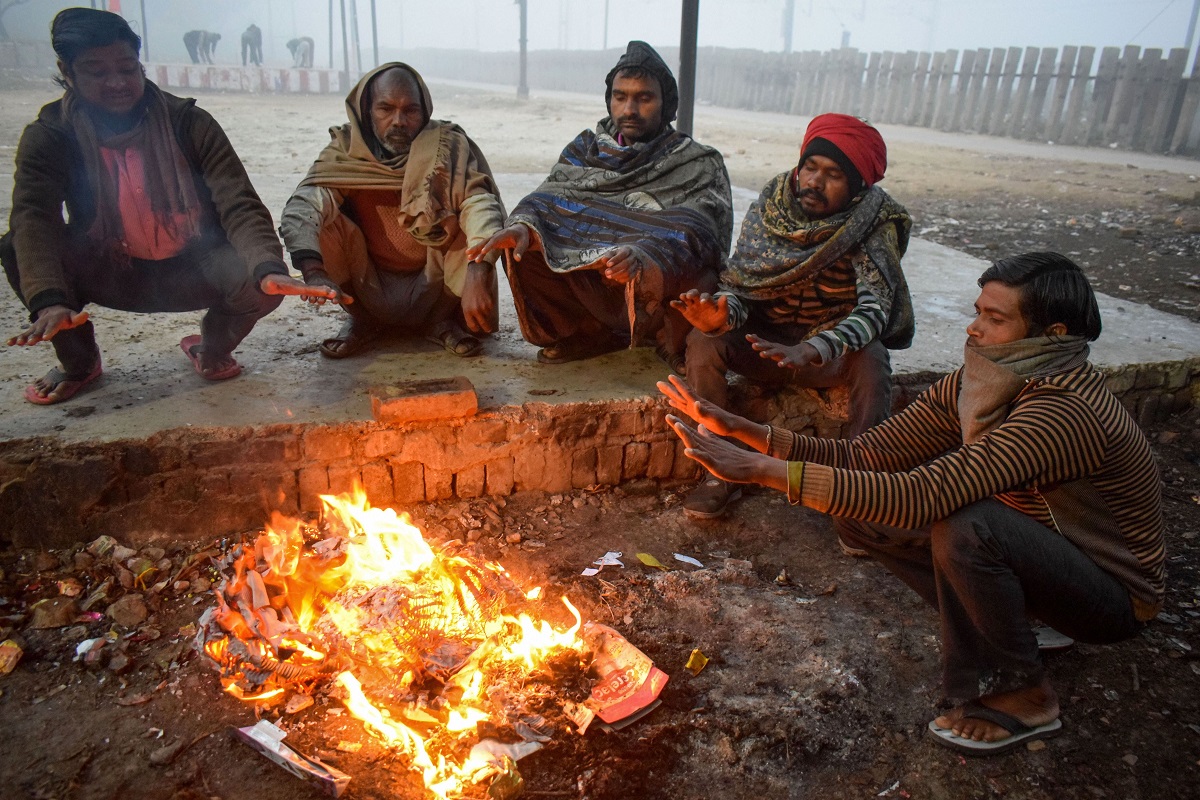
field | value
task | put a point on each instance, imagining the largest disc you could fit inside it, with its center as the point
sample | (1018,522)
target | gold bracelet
(795,484)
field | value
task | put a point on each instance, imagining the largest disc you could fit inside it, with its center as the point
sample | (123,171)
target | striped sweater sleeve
(860,327)
(1049,439)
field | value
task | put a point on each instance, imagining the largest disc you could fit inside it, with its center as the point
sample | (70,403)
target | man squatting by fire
(632,215)
(1017,485)
(162,214)
(816,270)
(385,215)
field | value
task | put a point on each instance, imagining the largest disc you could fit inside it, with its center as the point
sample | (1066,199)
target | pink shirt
(144,237)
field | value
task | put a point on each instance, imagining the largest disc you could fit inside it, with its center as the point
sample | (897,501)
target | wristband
(795,485)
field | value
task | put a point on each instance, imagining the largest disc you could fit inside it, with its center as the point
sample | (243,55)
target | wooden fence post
(871,85)
(1104,92)
(1187,111)
(945,101)
(1034,117)
(970,113)
(1142,113)
(1062,83)
(1169,101)
(932,89)
(1023,89)
(965,71)
(1123,94)
(997,70)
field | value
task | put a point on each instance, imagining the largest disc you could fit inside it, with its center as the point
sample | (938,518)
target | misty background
(493,25)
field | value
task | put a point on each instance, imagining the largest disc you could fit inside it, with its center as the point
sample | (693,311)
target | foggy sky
(580,24)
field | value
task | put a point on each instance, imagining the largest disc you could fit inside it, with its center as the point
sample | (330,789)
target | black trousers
(987,568)
(213,278)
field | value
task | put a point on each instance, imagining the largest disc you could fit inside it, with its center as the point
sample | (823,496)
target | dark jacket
(50,172)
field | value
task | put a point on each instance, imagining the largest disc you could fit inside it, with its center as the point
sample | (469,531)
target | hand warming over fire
(726,460)
(711,416)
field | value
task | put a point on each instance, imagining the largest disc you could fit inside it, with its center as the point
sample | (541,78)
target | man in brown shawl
(813,286)
(632,215)
(160,214)
(384,217)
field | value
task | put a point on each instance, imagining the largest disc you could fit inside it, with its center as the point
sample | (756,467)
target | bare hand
(796,356)
(711,416)
(726,460)
(621,264)
(480,305)
(515,238)
(50,321)
(316,291)
(706,313)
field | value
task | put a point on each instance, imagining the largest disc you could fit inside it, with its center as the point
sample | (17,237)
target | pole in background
(374,36)
(522,82)
(789,22)
(354,44)
(687,65)
(345,51)
(331,34)
(605,24)
(1191,33)
(145,33)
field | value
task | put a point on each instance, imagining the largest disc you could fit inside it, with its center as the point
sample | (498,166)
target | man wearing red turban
(813,295)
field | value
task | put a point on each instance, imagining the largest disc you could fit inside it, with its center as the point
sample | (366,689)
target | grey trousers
(987,569)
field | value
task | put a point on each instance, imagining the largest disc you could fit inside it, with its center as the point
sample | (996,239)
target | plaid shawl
(668,198)
(780,248)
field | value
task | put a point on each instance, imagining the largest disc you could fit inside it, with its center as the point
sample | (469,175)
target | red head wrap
(861,143)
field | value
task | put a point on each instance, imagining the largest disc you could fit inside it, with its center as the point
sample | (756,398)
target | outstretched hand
(710,415)
(316,291)
(726,460)
(622,264)
(705,312)
(796,356)
(50,321)
(480,300)
(515,238)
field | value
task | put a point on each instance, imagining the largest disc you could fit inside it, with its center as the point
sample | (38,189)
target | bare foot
(1037,705)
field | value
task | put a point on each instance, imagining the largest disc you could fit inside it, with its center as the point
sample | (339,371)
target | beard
(396,142)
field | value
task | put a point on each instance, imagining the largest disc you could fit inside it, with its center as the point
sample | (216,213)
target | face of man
(821,187)
(636,107)
(396,113)
(998,318)
(109,78)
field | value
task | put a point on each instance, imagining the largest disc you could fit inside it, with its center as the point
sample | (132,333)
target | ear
(66,73)
(1057,329)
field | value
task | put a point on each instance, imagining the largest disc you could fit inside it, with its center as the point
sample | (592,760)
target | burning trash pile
(439,653)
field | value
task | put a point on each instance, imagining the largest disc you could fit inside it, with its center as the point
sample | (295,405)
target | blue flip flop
(1020,732)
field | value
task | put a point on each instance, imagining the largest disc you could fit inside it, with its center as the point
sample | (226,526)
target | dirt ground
(820,686)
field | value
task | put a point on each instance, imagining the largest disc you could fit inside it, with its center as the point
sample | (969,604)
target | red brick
(529,464)
(383,443)
(343,478)
(439,484)
(377,483)
(313,481)
(583,468)
(484,431)
(327,444)
(637,460)
(415,401)
(608,465)
(499,477)
(429,446)
(276,450)
(470,482)
(408,482)
(662,459)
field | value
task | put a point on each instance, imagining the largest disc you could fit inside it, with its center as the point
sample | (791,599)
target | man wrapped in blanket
(816,274)
(632,215)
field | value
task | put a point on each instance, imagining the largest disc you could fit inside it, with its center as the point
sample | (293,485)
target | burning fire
(421,644)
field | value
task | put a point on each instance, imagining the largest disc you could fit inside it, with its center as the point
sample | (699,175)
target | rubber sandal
(1050,640)
(354,337)
(31,392)
(579,348)
(190,345)
(1020,732)
(456,341)
(710,498)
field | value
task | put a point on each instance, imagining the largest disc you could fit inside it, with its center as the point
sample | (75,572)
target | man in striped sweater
(1015,487)
(816,271)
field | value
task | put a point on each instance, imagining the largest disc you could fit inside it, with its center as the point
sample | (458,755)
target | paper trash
(627,682)
(268,740)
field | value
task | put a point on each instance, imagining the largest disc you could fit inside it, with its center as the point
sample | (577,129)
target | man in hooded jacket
(633,214)
(385,215)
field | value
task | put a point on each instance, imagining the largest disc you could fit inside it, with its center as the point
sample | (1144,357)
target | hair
(75,30)
(1052,289)
(634,73)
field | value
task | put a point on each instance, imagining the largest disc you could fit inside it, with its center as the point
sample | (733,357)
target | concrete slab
(147,386)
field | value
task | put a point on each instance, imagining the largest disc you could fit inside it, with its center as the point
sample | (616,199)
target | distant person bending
(252,46)
(208,45)
(160,213)
(632,215)
(385,216)
(302,52)
(1015,487)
